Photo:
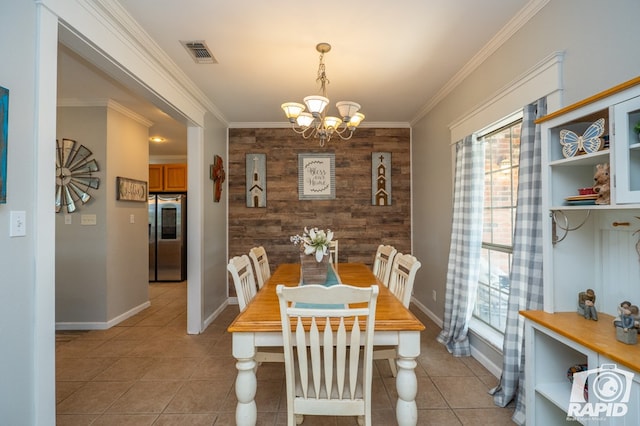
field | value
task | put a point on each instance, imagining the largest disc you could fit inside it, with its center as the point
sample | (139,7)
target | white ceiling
(394,58)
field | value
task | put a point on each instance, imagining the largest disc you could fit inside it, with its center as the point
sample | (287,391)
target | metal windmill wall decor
(74,175)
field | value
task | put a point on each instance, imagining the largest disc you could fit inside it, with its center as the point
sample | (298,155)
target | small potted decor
(314,254)
(636,129)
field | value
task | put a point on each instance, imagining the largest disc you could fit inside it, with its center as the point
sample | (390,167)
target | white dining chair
(333,252)
(245,285)
(382,263)
(260,262)
(401,279)
(243,279)
(328,374)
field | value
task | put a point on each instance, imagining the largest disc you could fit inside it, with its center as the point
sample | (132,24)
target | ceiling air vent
(199,51)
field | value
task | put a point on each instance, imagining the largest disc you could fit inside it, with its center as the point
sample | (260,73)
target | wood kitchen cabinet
(167,177)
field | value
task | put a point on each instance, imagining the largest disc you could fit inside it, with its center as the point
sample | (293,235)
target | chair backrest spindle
(260,262)
(383,262)
(403,273)
(333,252)
(243,280)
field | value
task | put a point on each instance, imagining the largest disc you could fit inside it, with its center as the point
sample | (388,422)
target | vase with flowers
(314,254)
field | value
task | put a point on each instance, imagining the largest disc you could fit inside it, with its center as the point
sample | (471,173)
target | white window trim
(487,333)
(543,79)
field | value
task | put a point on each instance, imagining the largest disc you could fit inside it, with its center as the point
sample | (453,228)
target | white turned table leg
(246,383)
(406,381)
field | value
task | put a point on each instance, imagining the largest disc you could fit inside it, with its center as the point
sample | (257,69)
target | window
(502,154)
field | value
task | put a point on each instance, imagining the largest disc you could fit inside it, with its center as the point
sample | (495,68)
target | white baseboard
(494,369)
(102,325)
(427,312)
(480,356)
(215,314)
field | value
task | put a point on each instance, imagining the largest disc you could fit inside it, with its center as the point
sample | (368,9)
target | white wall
(21,291)
(594,60)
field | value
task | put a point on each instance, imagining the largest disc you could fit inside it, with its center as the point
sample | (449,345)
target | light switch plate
(18,227)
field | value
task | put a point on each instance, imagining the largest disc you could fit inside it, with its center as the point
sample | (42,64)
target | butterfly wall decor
(587,143)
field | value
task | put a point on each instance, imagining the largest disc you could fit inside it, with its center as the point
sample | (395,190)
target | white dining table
(259,326)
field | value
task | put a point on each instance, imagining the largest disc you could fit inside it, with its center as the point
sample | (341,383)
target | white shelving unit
(586,246)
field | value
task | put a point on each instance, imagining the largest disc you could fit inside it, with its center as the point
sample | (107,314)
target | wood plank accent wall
(359,226)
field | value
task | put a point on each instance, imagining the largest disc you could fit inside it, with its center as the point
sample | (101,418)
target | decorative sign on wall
(381,178)
(316,176)
(4,131)
(218,176)
(131,190)
(256,172)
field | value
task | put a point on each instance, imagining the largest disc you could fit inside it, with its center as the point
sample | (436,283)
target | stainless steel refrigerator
(167,237)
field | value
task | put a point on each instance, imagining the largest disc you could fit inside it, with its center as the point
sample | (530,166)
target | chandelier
(315,122)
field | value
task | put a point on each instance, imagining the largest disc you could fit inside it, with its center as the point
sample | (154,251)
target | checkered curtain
(526,268)
(466,240)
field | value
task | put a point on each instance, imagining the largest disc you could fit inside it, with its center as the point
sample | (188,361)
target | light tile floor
(148,371)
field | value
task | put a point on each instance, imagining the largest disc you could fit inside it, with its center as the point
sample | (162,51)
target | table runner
(332,279)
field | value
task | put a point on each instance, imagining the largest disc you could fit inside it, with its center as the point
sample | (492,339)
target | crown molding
(107,103)
(522,17)
(281,125)
(543,79)
(125,28)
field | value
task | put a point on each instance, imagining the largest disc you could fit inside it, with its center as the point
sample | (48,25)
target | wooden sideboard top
(599,336)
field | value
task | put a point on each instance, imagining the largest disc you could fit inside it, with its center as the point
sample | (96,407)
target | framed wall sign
(131,190)
(256,179)
(316,176)
(381,178)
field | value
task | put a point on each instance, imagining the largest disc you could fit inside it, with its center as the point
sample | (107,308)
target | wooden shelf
(599,336)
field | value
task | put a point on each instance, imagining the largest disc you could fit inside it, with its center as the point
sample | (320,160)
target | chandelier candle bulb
(292,110)
(304,119)
(314,122)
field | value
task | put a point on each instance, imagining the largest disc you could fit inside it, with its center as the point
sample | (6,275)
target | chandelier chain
(322,76)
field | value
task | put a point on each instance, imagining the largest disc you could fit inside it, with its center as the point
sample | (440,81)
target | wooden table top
(599,336)
(263,312)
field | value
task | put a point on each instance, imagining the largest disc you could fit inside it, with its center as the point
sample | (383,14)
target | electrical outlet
(88,219)
(433,294)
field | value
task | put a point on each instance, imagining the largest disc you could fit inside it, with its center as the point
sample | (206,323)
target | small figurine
(587,304)
(623,313)
(601,185)
(627,324)
(631,320)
